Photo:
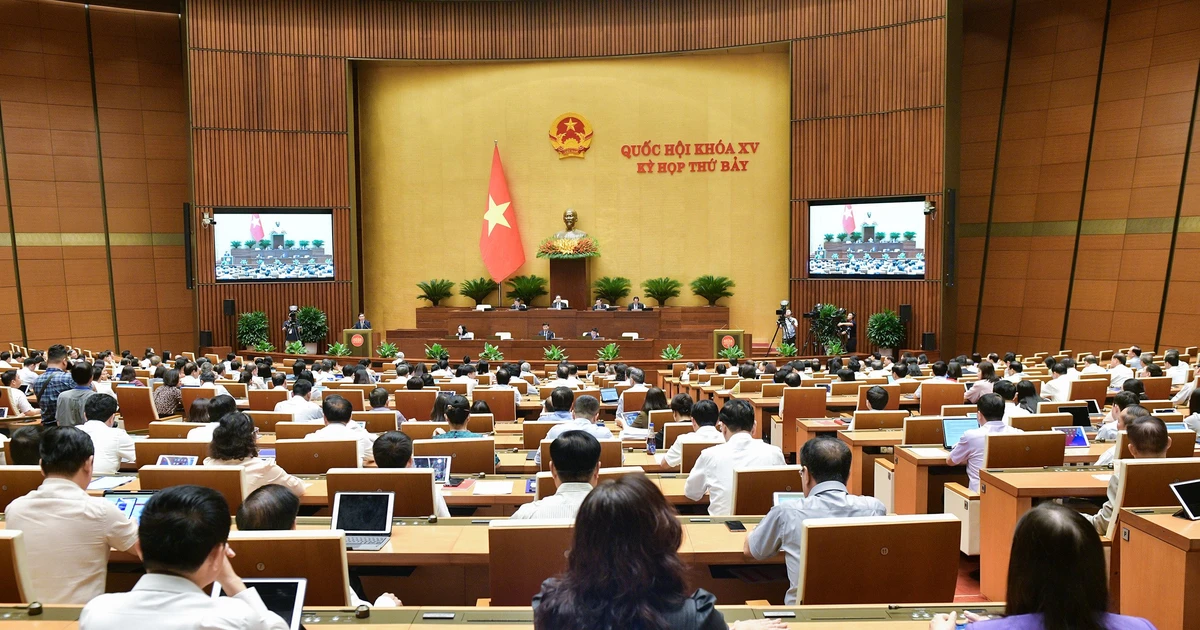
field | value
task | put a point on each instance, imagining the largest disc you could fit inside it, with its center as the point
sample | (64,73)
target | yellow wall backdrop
(426,133)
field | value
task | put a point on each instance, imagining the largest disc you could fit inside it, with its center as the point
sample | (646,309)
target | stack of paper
(492,487)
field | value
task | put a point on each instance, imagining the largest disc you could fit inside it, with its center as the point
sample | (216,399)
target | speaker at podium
(359,340)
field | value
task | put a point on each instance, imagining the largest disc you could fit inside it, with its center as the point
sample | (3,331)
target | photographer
(291,327)
(788,324)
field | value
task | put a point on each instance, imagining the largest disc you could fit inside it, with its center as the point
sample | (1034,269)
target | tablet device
(1093,408)
(266,453)
(781,497)
(608,395)
(1188,495)
(176,460)
(282,596)
(954,428)
(1076,437)
(1176,426)
(131,504)
(440,465)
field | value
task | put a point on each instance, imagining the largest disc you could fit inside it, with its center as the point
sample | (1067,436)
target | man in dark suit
(636,305)
(546,333)
(593,334)
(363,323)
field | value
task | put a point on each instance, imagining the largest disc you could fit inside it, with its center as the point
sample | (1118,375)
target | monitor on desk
(954,428)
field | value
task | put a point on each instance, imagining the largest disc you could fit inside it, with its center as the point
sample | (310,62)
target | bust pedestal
(569,278)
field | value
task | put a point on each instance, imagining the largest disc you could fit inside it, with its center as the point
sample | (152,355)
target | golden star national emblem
(570,135)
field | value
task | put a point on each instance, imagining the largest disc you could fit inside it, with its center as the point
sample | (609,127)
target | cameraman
(788,323)
(291,327)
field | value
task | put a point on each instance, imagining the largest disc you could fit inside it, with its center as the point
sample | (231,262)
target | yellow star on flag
(495,214)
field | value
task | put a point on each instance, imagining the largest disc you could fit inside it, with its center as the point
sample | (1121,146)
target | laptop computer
(366,517)
(1093,408)
(780,497)
(1076,437)
(608,394)
(440,465)
(131,503)
(1188,495)
(1176,426)
(1079,414)
(176,460)
(954,428)
(282,596)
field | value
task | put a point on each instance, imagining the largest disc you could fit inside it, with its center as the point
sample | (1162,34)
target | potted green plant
(788,350)
(436,351)
(387,350)
(553,353)
(855,237)
(338,349)
(318,243)
(289,244)
(436,290)
(842,236)
(491,353)
(824,326)
(732,352)
(608,352)
(294,347)
(884,329)
(252,329)
(235,245)
(264,346)
(528,288)
(661,289)
(828,238)
(303,244)
(834,347)
(264,244)
(672,353)
(314,327)
(478,289)
(908,236)
(610,289)
(895,236)
(712,288)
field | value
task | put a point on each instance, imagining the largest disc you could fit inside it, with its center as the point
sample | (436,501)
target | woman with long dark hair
(1027,397)
(628,582)
(656,400)
(1056,578)
(987,378)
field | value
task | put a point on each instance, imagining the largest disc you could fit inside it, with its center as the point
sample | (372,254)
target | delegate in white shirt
(302,410)
(971,446)
(348,431)
(564,503)
(68,535)
(258,472)
(112,446)
(714,469)
(19,401)
(170,602)
(574,424)
(706,434)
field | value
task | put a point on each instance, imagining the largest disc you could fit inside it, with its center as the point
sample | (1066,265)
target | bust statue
(569,218)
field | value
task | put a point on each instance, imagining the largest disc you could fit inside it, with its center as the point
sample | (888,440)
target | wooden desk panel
(865,448)
(566,324)
(1159,568)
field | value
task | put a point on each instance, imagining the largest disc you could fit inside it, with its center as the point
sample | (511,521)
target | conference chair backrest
(1183,444)
(1049,406)
(375,421)
(521,556)
(481,423)
(423,430)
(661,417)
(190,394)
(612,474)
(533,432)
(484,379)
(1157,387)
(672,431)
(923,430)
(594,392)
(691,452)
(677,369)
(1095,376)
(137,408)
(544,485)
(1147,483)
(1157,404)
(457,388)
(610,454)
(15,584)
(773,390)
(752,385)
(416,404)
(413,487)
(470,455)
(18,481)
(6,402)
(935,395)
(844,388)
(856,560)
(633,400)
(171,430)
(893,392)
(315,457)
(1096,390)
(318,555)
(355,396)
(265,421)
(1041,421)
(148,450)
(908,387)
(230,481)
(502,402)
(868,420)
(1032,449)
(803,402)
(296,430)
(237,390)
(266,399)
(754,488)
(950,411)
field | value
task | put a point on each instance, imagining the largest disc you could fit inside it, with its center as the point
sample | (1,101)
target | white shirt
(169,602)
(68,535)
(203,433)
(1178,374)
(971,446)
(1116,376)
(1015,377)
(470,382)
(302,410)
(1011,410)
(706,434)
(348,431)
(528,377)
(1092,368)
(112,446)
(576,424)
(1107,457)
(1057,389)
(27,375)
(19,401)
(258,472)
(564,503)
(714,469)
(932,379)
(189,381)
(640,387)
(561,382)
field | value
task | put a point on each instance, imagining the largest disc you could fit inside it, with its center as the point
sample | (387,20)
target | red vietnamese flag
(256,231)
(500,238)
(848,222)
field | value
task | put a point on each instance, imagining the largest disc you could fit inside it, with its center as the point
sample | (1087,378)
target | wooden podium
(359,341)
(569,278)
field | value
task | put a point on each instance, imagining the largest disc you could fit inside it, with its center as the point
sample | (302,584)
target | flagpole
(500,285)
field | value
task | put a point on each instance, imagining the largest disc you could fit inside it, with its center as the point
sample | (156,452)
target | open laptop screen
(363,512)
(954,428)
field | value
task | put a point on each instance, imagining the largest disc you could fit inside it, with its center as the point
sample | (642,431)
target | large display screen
(867,238)
(273,246)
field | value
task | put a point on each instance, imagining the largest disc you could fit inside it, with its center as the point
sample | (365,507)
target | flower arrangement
(585,247)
